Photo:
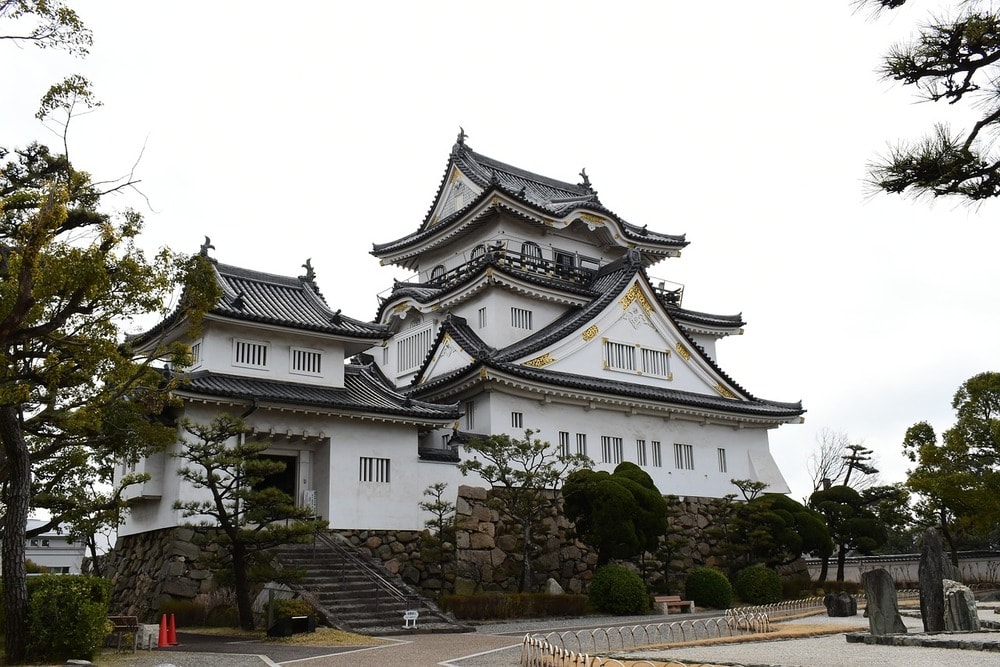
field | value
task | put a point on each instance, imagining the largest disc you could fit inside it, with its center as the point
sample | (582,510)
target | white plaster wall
(375,505)
(499,332)
(217,353)
(706,479)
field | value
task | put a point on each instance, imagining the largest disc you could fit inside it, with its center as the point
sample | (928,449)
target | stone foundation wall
(483,555)
(148,568)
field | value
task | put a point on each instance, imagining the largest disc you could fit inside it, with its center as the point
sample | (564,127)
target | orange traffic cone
(172,632)
(163,642)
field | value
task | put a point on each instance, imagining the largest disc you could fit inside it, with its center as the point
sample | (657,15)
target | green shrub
(67,617)
(758,584)
(513,605)
(708,587)
(618,590)
(288,607)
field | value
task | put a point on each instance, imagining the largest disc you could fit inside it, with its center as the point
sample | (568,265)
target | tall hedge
(67,617)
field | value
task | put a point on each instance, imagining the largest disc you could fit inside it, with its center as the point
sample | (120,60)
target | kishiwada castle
(531,306)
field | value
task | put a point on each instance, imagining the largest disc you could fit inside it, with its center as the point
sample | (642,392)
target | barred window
(619,356)
(196,353)
(306,361)
(563,443)
(611,449)
(517,420)
(250,354)
(581,443)
(657,453)
(683,457)
(520,318)
(640,452)
(411,349)
(655,362)
(482,317)
(470,415)
(374,470)
(722,460)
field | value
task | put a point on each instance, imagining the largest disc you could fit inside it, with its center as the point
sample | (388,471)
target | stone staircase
(354,594)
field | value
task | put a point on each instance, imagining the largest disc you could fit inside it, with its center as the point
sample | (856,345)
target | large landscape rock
(883,608)
(960,614)
(933,569)
(840,604)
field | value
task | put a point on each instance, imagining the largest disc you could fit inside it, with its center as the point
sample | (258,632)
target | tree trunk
(949,539)
(241,584)
(16,499)
(841,559)
(824,570)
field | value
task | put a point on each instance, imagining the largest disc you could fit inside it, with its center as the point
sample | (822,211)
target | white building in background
(54,550)
(531,308)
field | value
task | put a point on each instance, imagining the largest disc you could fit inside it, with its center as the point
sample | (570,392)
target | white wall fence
(977,567)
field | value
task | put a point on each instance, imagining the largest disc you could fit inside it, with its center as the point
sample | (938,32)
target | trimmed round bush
(618,590)
(758,584)
(709,587)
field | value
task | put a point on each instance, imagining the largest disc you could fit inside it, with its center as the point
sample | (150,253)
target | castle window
(656,362)
(250,354)
(722,459)
(470,415)
(563,443)
(478,251)
(520,318)
(581,443)
(306,362)
(517,420)
(619,356)
(611,449)
(531,251)
(482,317)
(411,349)
(437,272)
(640,452)
(564,259)
(657,453)
(373,470)
(683,457)
(196,353)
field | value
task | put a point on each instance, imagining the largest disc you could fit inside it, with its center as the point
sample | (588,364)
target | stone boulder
(960,614)
(882,607)
(552,587)
(840,604)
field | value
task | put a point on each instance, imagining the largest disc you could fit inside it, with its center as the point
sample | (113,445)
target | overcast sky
(314,129)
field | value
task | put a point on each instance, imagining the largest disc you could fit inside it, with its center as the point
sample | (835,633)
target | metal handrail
(379,583)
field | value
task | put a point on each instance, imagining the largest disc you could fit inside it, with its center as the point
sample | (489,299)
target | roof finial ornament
(461,136)
(586,180)
(205,247)
(310,276)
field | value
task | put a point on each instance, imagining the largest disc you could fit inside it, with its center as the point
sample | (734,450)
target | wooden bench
(666,603)
(125,625)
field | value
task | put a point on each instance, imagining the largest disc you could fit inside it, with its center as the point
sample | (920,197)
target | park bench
(126,628)
(666,603)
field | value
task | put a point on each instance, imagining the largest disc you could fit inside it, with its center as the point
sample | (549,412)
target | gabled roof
(611,281)
(267,298)
(365,391)
(546,196)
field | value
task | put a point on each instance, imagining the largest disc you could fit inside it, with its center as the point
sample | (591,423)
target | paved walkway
(498,645)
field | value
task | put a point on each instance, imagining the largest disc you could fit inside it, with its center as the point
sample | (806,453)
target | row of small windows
(623,357)
(612,451)
(254,354)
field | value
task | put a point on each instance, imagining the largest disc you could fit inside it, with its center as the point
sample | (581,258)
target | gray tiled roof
(267,298)
(609,284)
(364,391)
(292,302)
(546,195)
